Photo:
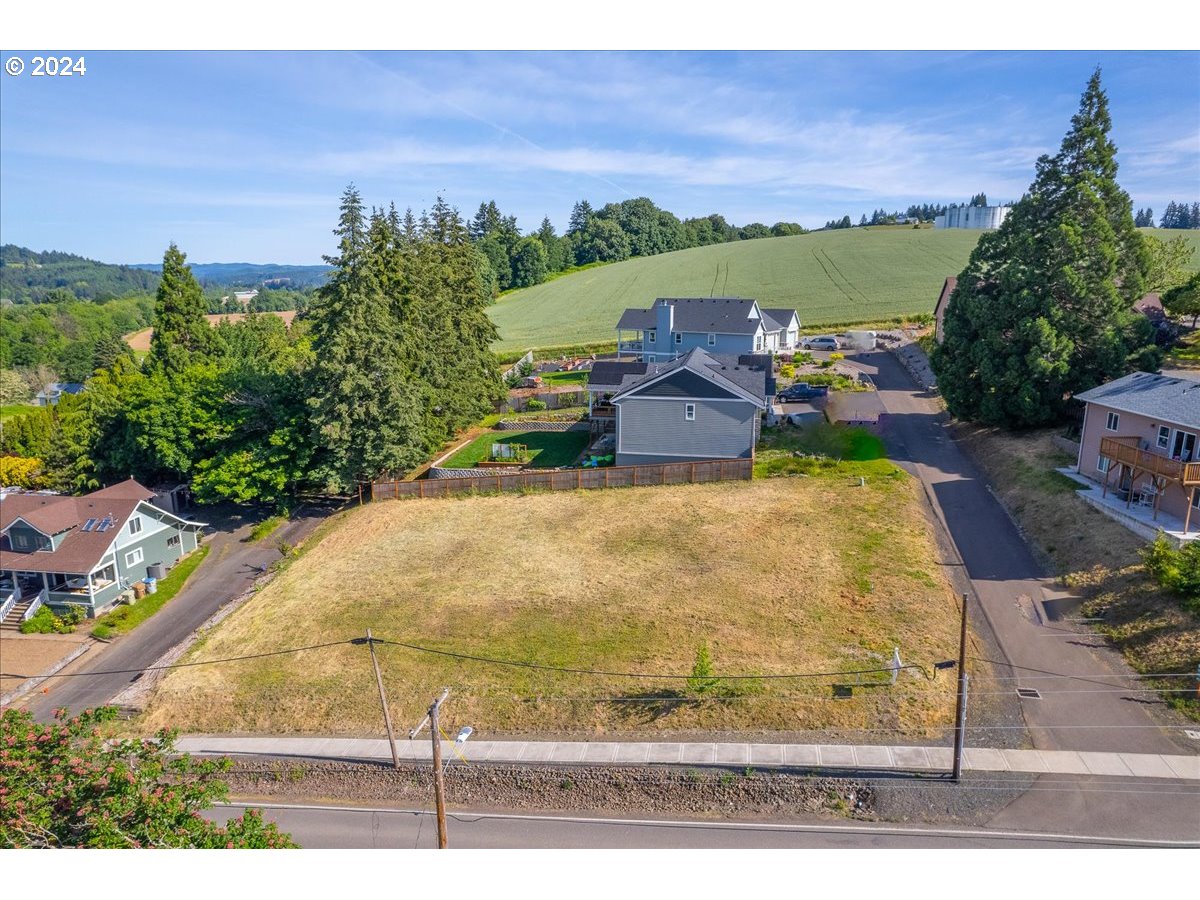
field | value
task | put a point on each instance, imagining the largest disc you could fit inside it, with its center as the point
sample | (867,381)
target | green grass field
(548,448)
(856,275)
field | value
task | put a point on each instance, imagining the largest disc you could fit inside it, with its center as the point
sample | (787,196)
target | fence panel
(571,479)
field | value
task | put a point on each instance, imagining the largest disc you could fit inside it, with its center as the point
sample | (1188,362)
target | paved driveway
(230,568)
(1006,577)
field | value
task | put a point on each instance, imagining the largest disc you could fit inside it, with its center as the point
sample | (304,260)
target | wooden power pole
(387,716)
(439,788)
(960,708)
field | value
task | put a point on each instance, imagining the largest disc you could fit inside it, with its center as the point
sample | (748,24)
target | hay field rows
(627,580)
(851,275)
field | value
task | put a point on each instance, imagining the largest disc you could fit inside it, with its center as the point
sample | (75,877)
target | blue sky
(242,156)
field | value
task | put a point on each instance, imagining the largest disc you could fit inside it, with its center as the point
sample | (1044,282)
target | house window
(173,541)
(652,336)
(689,412)
(1164,437)
(133,557)
(1113,422)
(1103,463)
(679,337)
(135,524)
(712,339)
(21,541)
(758,342)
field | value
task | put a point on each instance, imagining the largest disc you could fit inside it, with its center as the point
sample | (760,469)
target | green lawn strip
(549,448)
(124,619)
(557,379)
(16,409)
(822,449)
(266,526)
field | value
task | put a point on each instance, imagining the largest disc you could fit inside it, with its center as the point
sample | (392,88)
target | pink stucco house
(1139,440)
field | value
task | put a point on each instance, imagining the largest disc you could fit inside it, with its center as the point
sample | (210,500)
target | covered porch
(91,590)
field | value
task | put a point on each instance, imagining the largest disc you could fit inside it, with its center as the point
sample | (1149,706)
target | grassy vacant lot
(1091,553)
(561,379)
(852,275)
(777,575)
(548,448)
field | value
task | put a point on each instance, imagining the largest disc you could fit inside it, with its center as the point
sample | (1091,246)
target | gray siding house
(698,407)
(718,325)
(86,551)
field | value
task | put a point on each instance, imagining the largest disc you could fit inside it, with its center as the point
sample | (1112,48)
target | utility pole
(960,709)
(439,788)
(387,716)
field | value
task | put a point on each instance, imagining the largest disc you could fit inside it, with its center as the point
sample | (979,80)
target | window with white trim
(652,336)
(758,341)
(1114,422)
(1164,437)
(135,524)
(133,557)
(1103,463)
(173,541)
(679,337)
(712,339)
(689,412)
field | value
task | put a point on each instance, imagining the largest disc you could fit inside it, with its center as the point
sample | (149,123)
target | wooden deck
(1126,451)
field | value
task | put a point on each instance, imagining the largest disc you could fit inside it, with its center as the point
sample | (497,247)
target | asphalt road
(332,827)
(1075,714)
(229,569)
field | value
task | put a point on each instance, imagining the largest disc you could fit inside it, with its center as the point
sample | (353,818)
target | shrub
(834,357)
(44,621)
(787,370)
(525,369)
(103,631)
(535,404)
(1176,570)
(702,680)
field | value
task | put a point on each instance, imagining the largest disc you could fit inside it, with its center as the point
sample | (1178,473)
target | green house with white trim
(85,551)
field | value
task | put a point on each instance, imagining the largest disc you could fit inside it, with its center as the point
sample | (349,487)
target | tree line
(1177,215)
(389,359)
(916,212)
(615,232)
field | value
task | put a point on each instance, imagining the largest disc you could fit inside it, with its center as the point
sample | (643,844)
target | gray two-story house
(86,551)
(728,326)
(694,408)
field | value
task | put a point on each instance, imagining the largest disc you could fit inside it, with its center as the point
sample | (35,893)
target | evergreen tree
(581,214)
(863,220)
(1170,216)
(364,412)
(979,199)
(529,262)
(553,245)
(1042,310)
(181,333)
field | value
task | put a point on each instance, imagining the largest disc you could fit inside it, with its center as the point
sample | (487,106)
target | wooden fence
(571,479)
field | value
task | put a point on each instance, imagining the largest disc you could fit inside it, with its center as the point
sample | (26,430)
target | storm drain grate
(1028,694)
(1194,735)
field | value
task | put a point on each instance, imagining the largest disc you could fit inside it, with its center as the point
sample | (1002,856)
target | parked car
(825,342)
(801,391)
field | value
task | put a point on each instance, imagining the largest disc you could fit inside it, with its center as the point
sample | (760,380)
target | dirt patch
(650,789)
(24,656)
(139,341)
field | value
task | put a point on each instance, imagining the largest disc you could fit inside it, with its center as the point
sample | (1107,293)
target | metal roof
(1162,397)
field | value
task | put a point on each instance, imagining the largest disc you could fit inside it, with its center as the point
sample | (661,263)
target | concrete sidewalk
(807,756)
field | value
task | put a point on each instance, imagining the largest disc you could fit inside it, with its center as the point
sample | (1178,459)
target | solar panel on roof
(87,526)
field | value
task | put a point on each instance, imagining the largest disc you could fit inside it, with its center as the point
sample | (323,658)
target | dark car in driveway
(801,391)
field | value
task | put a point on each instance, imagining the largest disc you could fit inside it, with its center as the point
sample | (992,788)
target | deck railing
(1126,449)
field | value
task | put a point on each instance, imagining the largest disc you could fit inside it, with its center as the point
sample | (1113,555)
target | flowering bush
(63,785)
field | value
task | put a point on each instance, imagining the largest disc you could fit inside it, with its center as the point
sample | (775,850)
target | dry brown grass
(29,655)
(1089,552)
(776,575)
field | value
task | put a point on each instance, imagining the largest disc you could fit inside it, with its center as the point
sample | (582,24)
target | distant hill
(27,276)
(248,275)
(838,276)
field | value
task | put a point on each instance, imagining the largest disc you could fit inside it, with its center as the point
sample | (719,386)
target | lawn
(549,449)
(777,575)
(1091,554)
(562,379)
(124,619)
(829,277)
(16,409)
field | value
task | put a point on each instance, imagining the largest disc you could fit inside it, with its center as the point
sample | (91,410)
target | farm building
(972,217)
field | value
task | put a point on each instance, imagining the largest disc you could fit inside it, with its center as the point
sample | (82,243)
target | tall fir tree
(181,333)
(365,415)
(1043,309)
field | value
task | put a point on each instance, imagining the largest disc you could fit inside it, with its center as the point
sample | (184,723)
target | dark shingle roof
(724,315)
(720,369)
(636,319)
(612,373)
(781,317)
(1161,397)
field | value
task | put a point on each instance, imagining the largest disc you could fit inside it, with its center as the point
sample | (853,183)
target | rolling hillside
(855,275)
